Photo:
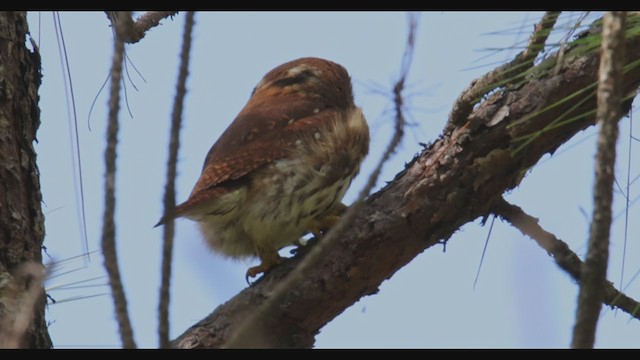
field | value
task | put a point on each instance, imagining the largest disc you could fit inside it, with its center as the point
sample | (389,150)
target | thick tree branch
(566,259)
(594,271)
(453,181)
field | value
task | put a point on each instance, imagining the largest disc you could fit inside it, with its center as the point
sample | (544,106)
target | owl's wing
(260,134)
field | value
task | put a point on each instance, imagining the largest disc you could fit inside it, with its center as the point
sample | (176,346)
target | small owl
(281,168)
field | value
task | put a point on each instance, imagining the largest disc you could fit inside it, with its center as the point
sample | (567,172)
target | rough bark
(21,218)
(593,281)
(170,187)
(137,30)
(453,181)
(108,243)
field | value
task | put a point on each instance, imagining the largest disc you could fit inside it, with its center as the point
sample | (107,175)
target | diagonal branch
(566,259)
(451,182)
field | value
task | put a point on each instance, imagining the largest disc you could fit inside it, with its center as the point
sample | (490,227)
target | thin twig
(484,251)
(520,64)
(627,195)
(566,259)
(170,191)
(109,227)
(251,331)
(609,95)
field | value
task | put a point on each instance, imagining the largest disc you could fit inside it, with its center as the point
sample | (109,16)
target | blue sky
(521,300)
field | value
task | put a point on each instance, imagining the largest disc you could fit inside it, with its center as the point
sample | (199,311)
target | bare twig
(135,31)
(109,227)
(627,195)
(594,273)
(522,62)
(484,250)
(252,332)
(566,259)
(170,191)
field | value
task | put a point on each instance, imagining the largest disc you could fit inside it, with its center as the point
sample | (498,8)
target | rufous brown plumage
(282,167)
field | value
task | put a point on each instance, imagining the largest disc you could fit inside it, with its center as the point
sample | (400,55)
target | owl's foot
(299,245)
(302,246)
(267,262)
(319,226)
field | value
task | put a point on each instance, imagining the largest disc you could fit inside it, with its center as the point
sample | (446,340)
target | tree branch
(566,259)
(519,65)
(594,272)
(170,188)
(135,31)
(453,181)
(109,227)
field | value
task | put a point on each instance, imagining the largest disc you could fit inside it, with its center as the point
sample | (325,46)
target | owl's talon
(317,227)
(265,266)
(299,246)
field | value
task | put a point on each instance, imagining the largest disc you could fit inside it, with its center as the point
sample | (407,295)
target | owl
(282,166)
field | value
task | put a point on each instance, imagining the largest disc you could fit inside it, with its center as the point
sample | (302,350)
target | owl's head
(308,77)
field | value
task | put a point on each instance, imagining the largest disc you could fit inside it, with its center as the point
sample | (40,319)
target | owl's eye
(297,78)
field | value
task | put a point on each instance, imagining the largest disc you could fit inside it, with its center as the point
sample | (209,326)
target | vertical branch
(592,281)
(109,227)
(170,191)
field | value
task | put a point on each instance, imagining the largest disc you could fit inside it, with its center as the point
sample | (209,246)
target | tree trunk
(21,219)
